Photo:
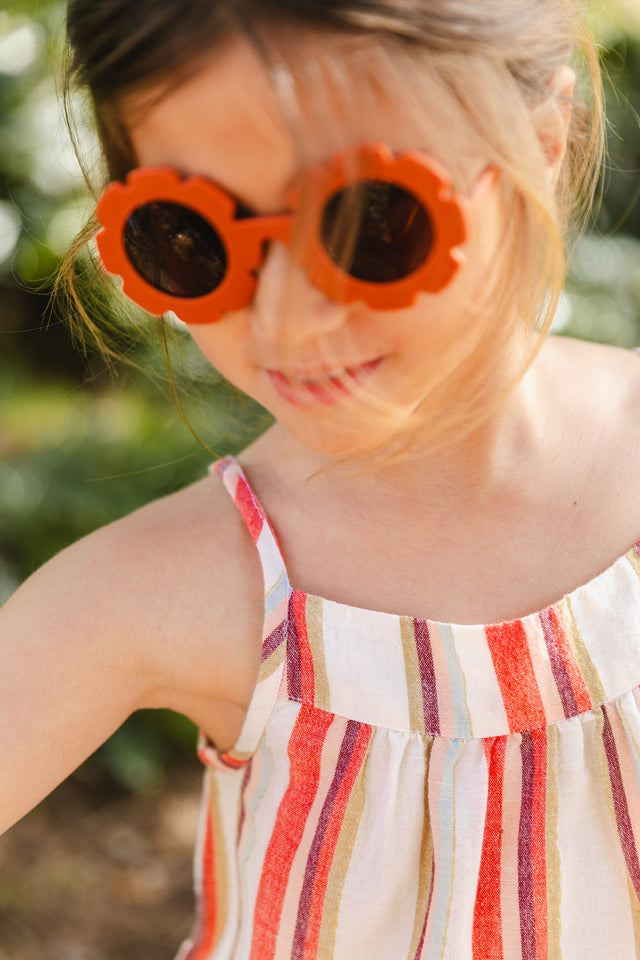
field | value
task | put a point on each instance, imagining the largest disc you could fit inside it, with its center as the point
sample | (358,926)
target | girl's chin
(338,436)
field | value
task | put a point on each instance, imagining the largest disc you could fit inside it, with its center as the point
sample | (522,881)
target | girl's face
(331,373)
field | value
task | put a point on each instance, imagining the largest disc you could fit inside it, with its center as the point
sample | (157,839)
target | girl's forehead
(254,129)
(221,117)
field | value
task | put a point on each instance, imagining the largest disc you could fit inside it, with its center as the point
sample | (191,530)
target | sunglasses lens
(174,249)
(376,231)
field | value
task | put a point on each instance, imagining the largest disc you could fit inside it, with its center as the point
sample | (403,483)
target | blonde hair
(490,63)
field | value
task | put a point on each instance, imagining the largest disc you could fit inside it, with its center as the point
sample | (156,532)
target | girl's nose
(287,308)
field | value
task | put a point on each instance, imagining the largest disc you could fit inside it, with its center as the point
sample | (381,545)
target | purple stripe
(427,677)
(560,675)
(306,897)
(525,834)
(273,641)
(294,667)
(623,819)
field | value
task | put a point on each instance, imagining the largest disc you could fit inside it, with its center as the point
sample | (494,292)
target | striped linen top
(410,790)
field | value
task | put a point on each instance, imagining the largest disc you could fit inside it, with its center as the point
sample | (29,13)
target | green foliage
(620,210)
(41,195)
(140,753)
(604,282)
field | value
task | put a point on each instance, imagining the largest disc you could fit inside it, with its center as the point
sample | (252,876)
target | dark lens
(174,249)
(376,231)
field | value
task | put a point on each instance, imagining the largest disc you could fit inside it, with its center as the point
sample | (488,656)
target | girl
(358,209)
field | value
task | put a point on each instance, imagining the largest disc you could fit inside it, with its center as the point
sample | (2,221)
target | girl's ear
(554,117)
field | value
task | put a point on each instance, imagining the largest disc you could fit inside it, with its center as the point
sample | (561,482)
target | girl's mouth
(324,388)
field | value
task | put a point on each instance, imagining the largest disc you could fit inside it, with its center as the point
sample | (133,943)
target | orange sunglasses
(179,244)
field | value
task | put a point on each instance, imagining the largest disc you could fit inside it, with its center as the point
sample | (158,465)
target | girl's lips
(325,388)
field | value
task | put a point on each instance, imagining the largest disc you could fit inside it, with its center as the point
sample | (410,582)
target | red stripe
(516,678)
(538,843)
(305,751)
(487,918)
(332,834)
(230,761)
(249,508)
(307,685)
(205,936)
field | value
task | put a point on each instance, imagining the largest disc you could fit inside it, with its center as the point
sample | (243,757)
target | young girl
(358,209)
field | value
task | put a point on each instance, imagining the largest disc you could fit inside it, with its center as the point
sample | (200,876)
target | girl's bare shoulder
(598,380)
(160,609)
(594,397)
(176,588)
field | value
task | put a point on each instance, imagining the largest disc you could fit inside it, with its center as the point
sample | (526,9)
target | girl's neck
(487,456)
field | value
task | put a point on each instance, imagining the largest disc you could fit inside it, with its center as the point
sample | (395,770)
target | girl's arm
(161,609)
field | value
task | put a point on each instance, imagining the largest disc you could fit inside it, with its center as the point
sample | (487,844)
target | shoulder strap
(273,567)
(275,629)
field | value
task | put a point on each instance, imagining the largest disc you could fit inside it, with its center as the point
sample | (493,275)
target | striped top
(409,789)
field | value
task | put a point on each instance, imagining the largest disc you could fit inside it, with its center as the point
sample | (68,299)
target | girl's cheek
(222,338)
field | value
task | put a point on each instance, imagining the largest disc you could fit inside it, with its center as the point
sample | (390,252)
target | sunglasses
(368,225)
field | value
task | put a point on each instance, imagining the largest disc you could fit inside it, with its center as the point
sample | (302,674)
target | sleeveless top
(410,790)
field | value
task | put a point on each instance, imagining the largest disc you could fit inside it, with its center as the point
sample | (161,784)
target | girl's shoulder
(601,359)
(173,589)
(598,386)
(593,414)
(188,573)
(160,609)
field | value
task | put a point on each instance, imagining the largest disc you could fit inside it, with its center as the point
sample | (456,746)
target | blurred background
(101,870)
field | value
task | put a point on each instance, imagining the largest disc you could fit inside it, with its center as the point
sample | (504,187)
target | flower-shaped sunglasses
(382,236)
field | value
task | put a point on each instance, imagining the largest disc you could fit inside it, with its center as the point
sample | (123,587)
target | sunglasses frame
(244,240)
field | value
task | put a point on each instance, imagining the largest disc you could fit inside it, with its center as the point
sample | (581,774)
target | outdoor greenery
(80,444)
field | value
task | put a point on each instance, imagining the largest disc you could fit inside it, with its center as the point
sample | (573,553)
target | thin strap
(275,628)
(252,512)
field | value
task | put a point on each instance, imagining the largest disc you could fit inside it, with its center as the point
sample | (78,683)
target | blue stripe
(457,683)
(444,851)
(278,592)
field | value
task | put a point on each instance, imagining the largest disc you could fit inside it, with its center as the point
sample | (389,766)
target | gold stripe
(340,864)
(271,664)
(315,624)
(554,890)
(585,663)
(220,862)
(635,913)
(412,673)
(634,560)
(426,860)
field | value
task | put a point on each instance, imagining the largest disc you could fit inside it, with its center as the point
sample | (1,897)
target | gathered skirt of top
(410,790)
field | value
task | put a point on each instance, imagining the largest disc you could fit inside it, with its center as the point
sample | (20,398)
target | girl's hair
(483,69)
